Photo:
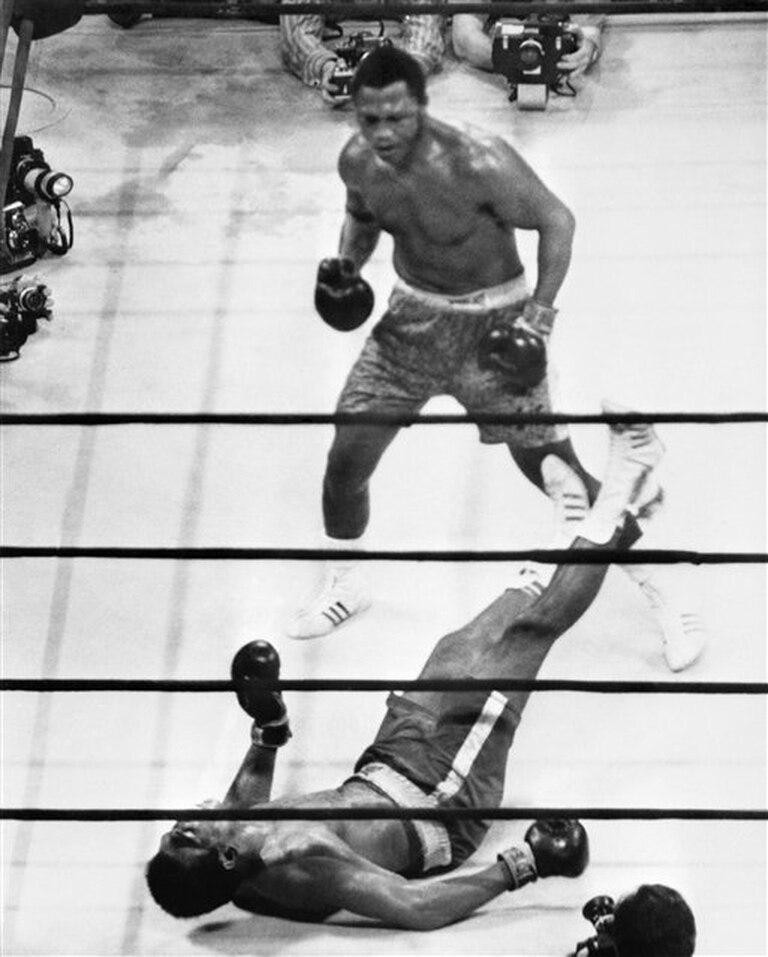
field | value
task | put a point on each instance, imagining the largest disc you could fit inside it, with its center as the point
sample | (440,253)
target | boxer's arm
(253,782)
(355,884)
(360,231)
(522,201)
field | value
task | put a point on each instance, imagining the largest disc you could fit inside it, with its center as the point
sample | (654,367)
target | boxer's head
(389,94)
(656,920)
(189,874)
(652,921)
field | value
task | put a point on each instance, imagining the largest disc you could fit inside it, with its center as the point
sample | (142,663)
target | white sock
(342,566)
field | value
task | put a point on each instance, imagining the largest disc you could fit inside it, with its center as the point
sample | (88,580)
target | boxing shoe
(635,450)
(568,495)
(532,578)
(684,635)
(628,481)
(342,595)
(570,502)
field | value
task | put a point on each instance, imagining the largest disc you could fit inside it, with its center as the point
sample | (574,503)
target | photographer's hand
(328,88)
(587,52)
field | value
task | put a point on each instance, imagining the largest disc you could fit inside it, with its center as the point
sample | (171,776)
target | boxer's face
(390,119)
(191,839)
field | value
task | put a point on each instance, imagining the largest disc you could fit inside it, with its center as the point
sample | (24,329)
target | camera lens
(531,55)
(32,299)
(55,185)
(42,182)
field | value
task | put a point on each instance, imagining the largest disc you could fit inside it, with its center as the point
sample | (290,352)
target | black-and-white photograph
(384,478)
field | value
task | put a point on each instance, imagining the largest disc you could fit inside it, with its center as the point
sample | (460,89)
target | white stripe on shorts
(465,756)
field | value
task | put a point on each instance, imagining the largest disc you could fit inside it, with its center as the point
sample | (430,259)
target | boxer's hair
(387,65)
(654,920)
(189,888)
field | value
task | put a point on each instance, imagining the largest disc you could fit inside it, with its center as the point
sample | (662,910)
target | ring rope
(551,556)
(384,10)
(380,814)
(206,686)
(373,418)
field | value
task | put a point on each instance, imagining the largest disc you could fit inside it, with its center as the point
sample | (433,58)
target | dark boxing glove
(555,848)
(258,661)
(342,297)
(518,348)
(560,847)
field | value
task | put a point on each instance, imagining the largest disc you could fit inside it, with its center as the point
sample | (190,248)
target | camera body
(527,53)
(357,47)
(32,221)
(23,306)
(599,912)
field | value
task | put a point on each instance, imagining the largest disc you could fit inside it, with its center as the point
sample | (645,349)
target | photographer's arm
(470,40)
(589,33)
(422,37)
(302,48)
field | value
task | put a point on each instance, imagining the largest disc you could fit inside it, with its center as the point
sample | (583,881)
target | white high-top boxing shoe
(568,495)
(343,593)
(669,596)
(665,588)
(628,481)
(635,451)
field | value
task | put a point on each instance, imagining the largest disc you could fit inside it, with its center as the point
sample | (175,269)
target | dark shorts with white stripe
(456,753)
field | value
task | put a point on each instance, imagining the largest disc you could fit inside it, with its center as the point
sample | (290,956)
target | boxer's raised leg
(512,636)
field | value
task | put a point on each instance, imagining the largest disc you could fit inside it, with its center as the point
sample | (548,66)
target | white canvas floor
(205,194)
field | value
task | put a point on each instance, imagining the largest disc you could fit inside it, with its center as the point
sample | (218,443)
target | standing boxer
(461,320)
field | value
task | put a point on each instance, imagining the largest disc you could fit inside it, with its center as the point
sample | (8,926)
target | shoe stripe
(336,613)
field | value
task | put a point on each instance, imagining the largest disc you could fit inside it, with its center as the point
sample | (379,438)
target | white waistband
(433,836)
(507,294)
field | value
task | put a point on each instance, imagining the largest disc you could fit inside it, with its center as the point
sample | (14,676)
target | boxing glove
(560,847)
(516,352)
(518,347)
(555,848)
(343,298)
(258,661)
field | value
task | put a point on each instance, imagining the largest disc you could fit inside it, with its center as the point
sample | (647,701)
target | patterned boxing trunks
(427,345)
(456,758)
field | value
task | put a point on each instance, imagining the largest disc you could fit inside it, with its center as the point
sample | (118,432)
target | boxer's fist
(343,298)
(560,847)
(515,351)
(258,661)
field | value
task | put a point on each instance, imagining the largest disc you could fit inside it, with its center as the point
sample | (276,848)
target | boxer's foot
(342,595)
(684,635)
